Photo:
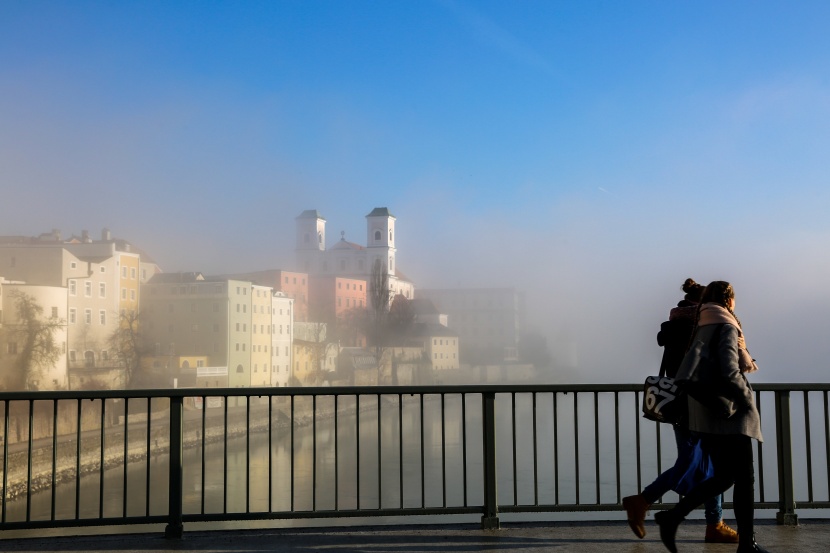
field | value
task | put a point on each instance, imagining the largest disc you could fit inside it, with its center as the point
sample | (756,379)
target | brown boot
(720,533)
(636,508)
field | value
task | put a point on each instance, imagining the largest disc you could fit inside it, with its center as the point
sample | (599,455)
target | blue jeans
(669,479)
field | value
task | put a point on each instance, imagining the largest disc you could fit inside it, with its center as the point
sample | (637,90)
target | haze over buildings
(592,156)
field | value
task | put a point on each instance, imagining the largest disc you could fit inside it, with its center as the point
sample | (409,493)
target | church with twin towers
(349,260)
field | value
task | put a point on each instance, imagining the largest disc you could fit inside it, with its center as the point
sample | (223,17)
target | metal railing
(177,456)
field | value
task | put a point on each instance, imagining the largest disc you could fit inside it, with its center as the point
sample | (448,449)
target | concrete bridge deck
(605,537)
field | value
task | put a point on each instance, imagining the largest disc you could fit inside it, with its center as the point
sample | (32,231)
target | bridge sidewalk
(588,537)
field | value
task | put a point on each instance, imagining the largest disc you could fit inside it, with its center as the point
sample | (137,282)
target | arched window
(319,237)
(185,365)
(377,236)
(89,358)
(239,369)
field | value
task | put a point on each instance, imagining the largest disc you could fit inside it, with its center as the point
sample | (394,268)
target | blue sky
(593,154)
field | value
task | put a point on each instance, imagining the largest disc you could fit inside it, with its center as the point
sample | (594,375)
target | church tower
(311,241)
(380,239)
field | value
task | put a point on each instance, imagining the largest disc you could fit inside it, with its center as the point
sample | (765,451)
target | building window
(377,235)
(72,287)
(54,312)
(123,293)
(102,289)
(88,316)
(72,355)
(102,316)
(73,265)
(132,273)
(71,315)
(123,272)
(132,295)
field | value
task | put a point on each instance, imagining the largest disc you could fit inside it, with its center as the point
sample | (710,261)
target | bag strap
(662,372)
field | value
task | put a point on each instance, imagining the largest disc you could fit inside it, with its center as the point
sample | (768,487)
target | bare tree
(129,347)
(35,340)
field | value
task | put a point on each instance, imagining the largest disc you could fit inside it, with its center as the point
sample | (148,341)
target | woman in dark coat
(674,337)
(718,358)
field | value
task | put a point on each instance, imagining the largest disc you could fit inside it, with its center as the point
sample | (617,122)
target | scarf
(711,314)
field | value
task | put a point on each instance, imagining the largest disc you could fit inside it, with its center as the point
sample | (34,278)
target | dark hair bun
(690,286)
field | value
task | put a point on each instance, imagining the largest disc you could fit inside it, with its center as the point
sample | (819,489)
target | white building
(347,259)
(282,324)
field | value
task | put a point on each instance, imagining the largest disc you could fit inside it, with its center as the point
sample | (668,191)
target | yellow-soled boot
(720,533)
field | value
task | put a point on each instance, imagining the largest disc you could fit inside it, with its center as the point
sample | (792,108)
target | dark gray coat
(746,420)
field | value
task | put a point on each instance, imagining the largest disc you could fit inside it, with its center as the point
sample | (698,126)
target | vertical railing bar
(357,450)
(291,458)
(443,452)
(535,453)
(54,456)
(314,453)
(247,454)
(101,466)
(400,450)
(555,449)
(175,524)
(515,471)
(827,440)
(808,444)
(464,445)
(6,427)
(490,518)
(204,453)
(786,489)
(225,457)
(637,440)
(576,444)
(149,455)
(271,452)
(617,443)
(126,452)
(29,461)
(596,441)
(380,462)
(760,453)
(336,457)
(6,457)
(423,472)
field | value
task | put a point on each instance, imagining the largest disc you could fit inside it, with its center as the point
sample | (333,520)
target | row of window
(348,285)
(102,316)
(349,303)
(440,342)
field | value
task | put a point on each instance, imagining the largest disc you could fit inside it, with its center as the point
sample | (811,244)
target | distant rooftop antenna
(342,235)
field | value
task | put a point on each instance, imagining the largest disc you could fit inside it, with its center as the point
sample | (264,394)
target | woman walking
(722,363)
(674,336)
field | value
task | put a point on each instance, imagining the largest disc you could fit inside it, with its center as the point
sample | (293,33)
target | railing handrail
(366,390)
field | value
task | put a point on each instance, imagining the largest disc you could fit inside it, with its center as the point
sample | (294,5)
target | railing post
(490,518)
(783,434)
(175,527)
